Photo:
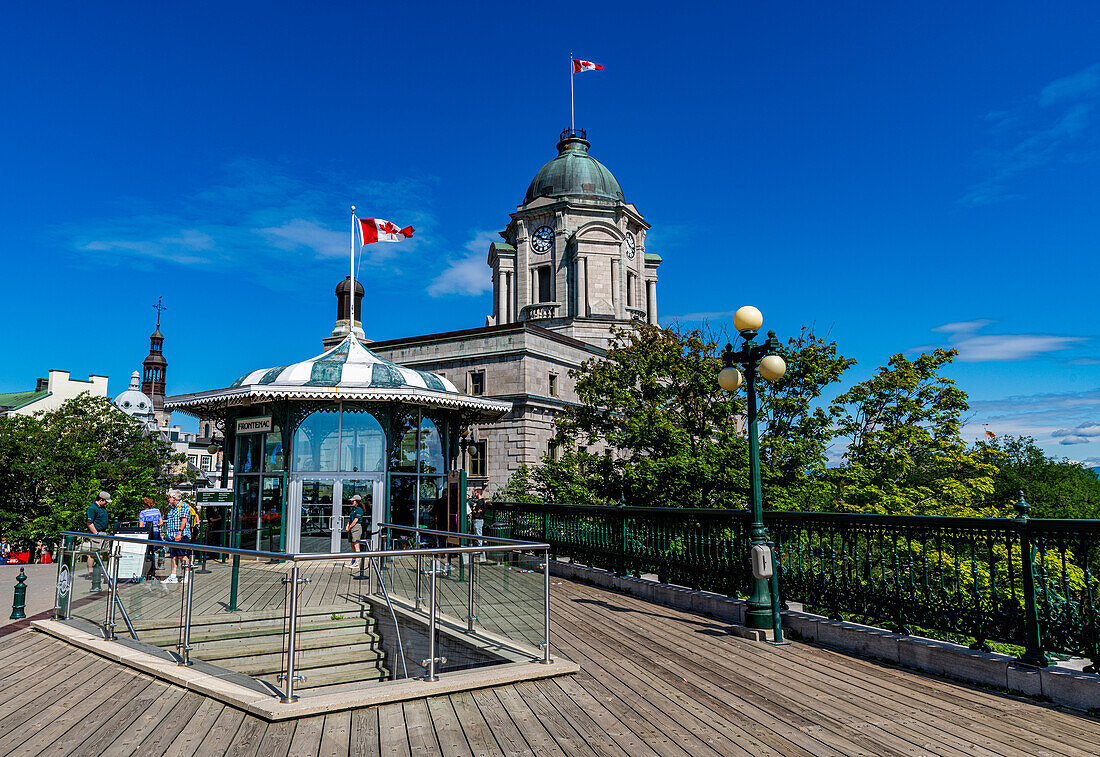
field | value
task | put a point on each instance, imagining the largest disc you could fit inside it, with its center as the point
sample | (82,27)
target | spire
(155,367)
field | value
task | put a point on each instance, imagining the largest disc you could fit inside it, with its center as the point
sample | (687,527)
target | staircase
(336,644)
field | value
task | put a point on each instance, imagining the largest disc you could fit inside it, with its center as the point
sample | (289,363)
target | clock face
(543,239)
(630,245)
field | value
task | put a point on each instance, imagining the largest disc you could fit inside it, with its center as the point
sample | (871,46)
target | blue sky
(899,175)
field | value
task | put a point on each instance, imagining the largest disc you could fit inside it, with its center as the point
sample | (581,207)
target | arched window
(431,447)
(362,442)
(316,441)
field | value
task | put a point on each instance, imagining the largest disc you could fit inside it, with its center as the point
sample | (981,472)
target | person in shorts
(151,519)
(95,519)
(355,525)
(177,527)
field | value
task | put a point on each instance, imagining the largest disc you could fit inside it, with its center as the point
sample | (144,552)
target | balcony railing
(1028,582)
(638,315)
(539,311)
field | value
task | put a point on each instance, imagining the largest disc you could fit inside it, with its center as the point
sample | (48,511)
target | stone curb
(202,679)
(1061,685)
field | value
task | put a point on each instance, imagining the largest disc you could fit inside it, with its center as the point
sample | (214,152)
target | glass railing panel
(510,593)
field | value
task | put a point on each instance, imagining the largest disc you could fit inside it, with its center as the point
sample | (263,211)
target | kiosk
(308,436)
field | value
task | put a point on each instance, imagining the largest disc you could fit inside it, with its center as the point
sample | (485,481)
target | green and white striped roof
(348,371)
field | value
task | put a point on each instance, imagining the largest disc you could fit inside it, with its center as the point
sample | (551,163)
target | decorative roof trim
(218,399)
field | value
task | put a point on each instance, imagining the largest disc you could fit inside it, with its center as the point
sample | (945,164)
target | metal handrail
(287,695)
(308,556)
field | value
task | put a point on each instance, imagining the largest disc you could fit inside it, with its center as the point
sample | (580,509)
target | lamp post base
(759,612)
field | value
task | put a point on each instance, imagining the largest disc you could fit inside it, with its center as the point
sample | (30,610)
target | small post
(546,608)
(233,580)
(292,606)
(1033,641)
(19,602)
(188,595)
(431,630)
(112,595)
(777,617)
(470,617)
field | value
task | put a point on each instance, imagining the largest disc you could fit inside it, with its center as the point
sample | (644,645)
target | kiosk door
(324,506)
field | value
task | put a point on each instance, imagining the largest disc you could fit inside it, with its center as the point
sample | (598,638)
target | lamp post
(762,359)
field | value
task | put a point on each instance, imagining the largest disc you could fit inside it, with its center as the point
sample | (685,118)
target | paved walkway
(41,581)
(654,681)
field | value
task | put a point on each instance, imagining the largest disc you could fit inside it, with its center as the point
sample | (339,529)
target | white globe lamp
(748,318)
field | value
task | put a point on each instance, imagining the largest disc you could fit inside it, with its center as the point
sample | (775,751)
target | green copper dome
(574,173)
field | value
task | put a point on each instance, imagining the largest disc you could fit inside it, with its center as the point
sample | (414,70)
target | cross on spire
(159,308)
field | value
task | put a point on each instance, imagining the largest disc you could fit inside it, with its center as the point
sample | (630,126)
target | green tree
(654,428)
(52,466)
(1054,487)
(905,454)
(797,432)
(656,402)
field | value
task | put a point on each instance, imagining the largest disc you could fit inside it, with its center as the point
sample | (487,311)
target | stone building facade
(571,265)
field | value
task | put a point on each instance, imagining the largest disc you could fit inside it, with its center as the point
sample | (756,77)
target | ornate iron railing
(951,576)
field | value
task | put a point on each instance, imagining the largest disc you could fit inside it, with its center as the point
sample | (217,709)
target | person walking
(151,519)
(355,525)
(96,519)
(477,518)
(177,527)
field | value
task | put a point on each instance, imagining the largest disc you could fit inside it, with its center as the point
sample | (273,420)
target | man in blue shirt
(177,527)
(96,519)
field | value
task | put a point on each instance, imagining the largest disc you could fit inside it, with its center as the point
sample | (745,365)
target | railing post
(470,616)
(1033,640)
(431,629)
(419,568)
(188,595)
(546,608)
(288,694)
(620,557)
(234,578)
(112,593)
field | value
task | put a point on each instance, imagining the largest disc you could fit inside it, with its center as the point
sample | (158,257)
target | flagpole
(572,120)
(351,294)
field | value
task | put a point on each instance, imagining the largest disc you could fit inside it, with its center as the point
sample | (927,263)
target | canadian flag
(379,230)
(585,65)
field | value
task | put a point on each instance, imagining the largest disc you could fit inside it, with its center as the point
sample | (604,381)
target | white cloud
(468,275)
(1071,87)
(1046,128)
(964,327)
(263,221)
(1084,431)
(300,235)
(983,348)
(1002,347)
(1074,440)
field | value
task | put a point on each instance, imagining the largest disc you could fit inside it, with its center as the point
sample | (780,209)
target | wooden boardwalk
(654,681)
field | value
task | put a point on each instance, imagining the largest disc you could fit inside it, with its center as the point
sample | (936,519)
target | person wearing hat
(355,525)
(96,518)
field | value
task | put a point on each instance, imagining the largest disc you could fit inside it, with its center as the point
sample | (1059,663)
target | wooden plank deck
(654,681)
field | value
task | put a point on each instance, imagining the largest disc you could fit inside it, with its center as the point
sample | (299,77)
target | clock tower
(573,257)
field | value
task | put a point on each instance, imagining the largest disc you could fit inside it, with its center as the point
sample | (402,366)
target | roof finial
(159,308)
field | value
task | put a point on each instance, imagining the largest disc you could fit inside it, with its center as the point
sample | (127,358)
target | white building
(51,392)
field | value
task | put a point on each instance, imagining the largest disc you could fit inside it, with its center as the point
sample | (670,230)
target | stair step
(162,637)
(347,673)
(223,649)
(316,660)
(255,618)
